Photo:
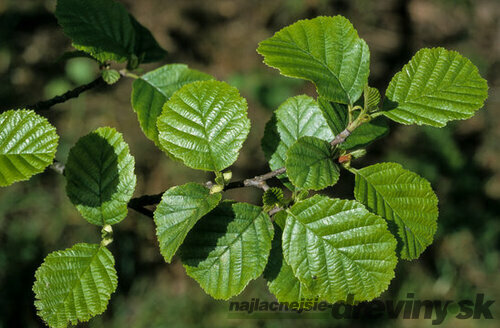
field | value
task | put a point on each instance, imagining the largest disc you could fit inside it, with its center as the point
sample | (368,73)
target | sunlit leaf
(100,176)
(435,87)
(204,124)
(74,284)
(336,248)
(404,199)
(28,144)
(324,50)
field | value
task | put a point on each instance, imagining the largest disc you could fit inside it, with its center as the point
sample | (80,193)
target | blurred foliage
(462,161)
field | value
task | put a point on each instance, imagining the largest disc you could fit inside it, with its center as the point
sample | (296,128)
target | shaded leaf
(180,208)
(105,30)
(153,89)
(297,117)
(337,118)
(310,165)
(281,281)
(227,248)
(100,176)
(371,98)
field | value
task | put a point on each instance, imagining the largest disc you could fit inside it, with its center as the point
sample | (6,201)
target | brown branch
(47,104)
(258,181)
(341,137)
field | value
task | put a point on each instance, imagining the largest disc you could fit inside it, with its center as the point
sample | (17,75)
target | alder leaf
(179,209)
(297,117)
(272,197)
(100,176)
(404,199)
(110,76)
(105,30)
(281,281)
(74,284)
(336,248)
(435,87)
(204,124)
(324,50)
(371,98)
(227,248)
(310,165)
(28,144)
(153,89)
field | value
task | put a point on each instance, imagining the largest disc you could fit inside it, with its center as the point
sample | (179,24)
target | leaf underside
(336,248)
(105,30)
(28,144)
(404,199)
(227,248)
(435,87)
(74,284)
(100,176)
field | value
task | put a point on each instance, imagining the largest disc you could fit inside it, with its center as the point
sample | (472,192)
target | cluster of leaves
(314,246)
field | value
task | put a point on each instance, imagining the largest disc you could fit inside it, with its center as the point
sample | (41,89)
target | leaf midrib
(405,227)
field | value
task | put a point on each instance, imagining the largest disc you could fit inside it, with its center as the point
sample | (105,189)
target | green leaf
(153,89)
(110,76)
(274,149)
(336,248)
(324,50)
(435,87)
(310,165)
(227,248)
(105,30)
(404,199)
(100,176)
(180,208)
(297,117)
(272,197)
(337,118)
(204,124)
(28,144)
(371,98)
(74,284)
(146,47)
(279,275)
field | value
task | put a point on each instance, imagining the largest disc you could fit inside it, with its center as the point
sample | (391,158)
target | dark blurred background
(462,161)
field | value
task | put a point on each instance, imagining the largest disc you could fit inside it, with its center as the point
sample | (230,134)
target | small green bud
(358,153)
(227,176)
(216,188)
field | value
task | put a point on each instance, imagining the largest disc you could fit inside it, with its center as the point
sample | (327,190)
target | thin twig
(274,211)
(140,209)
(340,138)
(47,104)
(258,181)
